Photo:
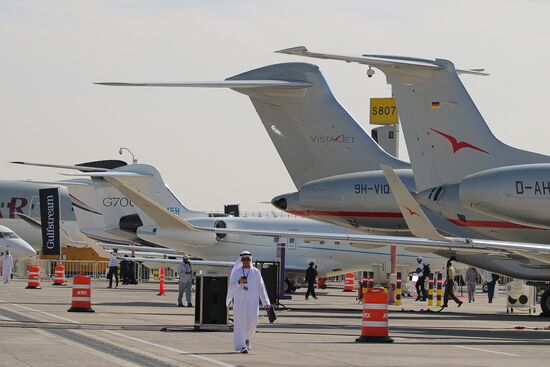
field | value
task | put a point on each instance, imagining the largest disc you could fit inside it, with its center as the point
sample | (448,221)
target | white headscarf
(236,268)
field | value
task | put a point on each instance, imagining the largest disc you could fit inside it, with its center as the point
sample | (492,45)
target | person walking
(311,276)
(421,294)
(113,269)
(7,267)
(185,272)
(246,289)
(449,286)
(471,283)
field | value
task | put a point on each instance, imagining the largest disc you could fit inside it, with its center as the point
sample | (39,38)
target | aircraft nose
(24,248)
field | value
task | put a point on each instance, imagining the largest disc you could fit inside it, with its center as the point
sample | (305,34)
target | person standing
(124,274)
(311,276)
(491,279)
(246,289)
(7,267)
(132,269)
(471,283)
(113,269)
(449,286)
(185,272)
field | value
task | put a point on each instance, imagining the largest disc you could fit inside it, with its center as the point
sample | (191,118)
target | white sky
(209,144)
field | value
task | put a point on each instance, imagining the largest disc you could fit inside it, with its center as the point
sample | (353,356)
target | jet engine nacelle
(362,200)
(520,194)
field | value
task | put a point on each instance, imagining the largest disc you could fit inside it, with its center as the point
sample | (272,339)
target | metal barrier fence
(94,269)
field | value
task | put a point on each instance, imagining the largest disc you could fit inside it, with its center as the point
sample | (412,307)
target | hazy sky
(209,144)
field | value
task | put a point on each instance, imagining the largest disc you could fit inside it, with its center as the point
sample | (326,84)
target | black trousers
(491,290)
(421,287)
(310,290)
(449,293)
(113,272)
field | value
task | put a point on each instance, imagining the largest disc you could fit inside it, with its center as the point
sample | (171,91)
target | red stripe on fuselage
(489,223)
(460,223)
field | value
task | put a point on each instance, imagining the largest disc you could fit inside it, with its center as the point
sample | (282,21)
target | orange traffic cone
(349,280)
(81,300)
(162,291)
(33,274)
(374,327)
(59,277)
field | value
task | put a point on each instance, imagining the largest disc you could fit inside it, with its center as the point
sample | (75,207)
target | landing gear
(545,303)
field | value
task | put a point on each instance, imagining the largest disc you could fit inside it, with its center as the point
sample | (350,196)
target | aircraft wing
(176,261)
(114,246)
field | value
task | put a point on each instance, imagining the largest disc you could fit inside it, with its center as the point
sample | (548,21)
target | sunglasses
(245,259)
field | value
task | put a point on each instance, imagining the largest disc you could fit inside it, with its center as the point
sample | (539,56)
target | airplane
(460,168)
(518,264)
(18,247)
(235,233)
(301,116)
(168,223)
(20,211)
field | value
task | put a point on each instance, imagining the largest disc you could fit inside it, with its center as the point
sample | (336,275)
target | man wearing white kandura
(246,289)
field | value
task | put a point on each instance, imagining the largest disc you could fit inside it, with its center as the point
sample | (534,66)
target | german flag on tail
(436,104)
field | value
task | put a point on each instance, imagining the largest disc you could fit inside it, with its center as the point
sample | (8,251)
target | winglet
(416,219)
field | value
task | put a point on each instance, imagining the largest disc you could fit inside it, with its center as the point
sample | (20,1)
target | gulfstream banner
(49,217)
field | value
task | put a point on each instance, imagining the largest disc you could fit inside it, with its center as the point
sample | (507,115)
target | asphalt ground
(125,330)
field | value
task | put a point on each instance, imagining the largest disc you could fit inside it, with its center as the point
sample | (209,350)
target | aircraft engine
(519,194)
(360,200)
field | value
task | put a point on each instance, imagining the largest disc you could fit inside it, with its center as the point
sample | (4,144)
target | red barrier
(33,274)
(59,277)
(81,300)
(162,291)
(374,326)
(349,280)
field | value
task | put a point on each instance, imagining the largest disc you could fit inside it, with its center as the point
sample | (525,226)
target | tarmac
(125,330)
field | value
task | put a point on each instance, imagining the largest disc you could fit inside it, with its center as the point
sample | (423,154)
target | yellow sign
(383,111)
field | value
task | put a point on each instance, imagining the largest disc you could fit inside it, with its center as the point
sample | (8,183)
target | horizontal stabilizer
(65,166)
(107,174)
(218,84)
(380,61)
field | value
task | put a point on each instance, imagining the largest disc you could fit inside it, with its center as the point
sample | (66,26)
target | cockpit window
(8,235)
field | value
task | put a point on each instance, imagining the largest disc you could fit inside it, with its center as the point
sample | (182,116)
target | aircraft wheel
(545,303)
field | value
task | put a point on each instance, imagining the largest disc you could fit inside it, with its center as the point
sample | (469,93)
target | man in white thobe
(246,289)
(7,267)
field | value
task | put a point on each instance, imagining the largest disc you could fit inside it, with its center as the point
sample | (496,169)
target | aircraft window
(1,235)
(2,205)
(307,241)
(336,242)
(322,242)
(9,235)
(32,206)
(8,206)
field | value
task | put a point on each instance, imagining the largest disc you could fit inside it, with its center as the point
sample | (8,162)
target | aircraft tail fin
(303,119)
(311,124)
(447,137)
(143,178)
